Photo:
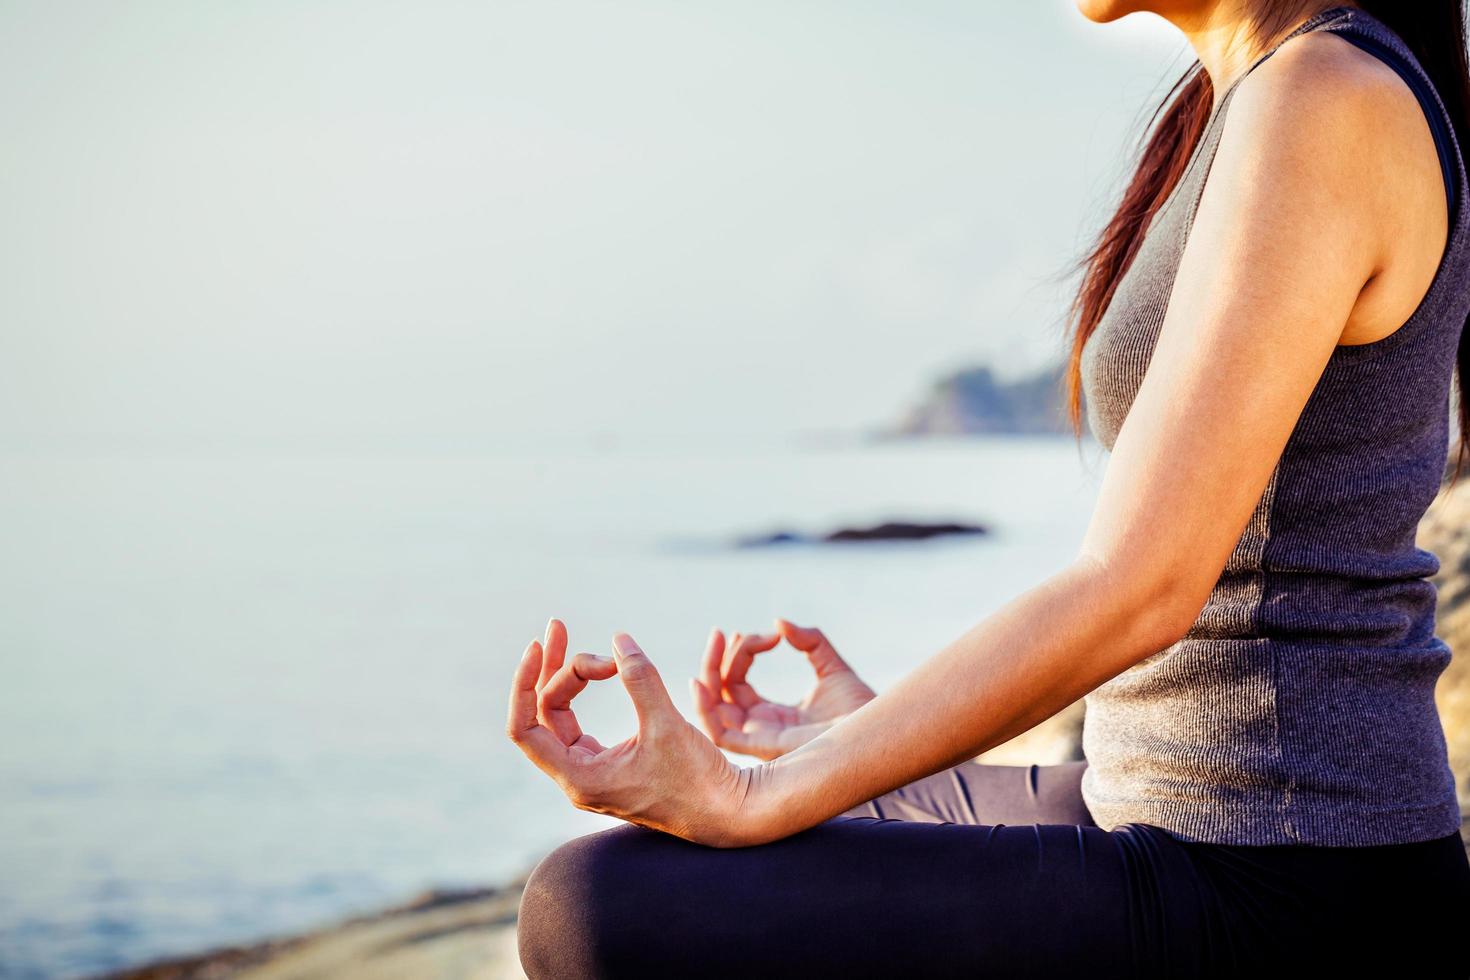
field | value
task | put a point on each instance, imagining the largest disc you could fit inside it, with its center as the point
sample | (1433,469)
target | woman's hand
(739,719)
(667,776)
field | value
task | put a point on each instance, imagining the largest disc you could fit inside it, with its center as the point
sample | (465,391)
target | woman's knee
(565,924)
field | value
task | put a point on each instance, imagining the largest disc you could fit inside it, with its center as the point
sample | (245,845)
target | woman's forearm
(1037,654)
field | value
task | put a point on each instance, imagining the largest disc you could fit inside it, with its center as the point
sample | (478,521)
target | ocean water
(246,695)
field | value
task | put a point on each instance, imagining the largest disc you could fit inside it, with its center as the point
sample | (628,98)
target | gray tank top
(1299,708)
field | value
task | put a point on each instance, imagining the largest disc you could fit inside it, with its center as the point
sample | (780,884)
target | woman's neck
(1225,35)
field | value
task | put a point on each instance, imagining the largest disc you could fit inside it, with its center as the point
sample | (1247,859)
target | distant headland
(974,401)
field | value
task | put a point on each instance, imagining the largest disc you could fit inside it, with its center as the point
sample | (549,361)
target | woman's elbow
(1155,605)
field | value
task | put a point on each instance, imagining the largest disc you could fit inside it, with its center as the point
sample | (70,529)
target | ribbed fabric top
(1300,706)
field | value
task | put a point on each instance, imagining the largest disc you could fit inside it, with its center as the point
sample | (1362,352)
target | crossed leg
(976,870)
(993,871)
(976,793)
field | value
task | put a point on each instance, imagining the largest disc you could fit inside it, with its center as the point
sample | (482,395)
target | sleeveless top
(1299,708)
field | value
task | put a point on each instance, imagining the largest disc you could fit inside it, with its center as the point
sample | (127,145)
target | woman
(1248,616)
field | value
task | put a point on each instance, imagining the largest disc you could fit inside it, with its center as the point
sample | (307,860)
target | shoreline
(467,932)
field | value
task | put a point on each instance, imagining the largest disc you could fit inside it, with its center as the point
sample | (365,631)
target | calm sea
(243,696)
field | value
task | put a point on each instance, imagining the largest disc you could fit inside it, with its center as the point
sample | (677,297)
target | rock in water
(901,531)
(887,531)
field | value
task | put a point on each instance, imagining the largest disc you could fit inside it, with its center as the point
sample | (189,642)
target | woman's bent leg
(994,871)
(866,897)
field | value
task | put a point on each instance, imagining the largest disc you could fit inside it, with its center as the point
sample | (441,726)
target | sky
(430,223)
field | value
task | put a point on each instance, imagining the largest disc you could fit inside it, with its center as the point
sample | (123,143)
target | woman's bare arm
(1322,162)
(1288,231)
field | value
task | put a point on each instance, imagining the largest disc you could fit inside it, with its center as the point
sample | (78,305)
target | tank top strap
(1360,28)
(1373,36)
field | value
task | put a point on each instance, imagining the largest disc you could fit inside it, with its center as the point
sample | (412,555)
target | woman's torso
(1300,707)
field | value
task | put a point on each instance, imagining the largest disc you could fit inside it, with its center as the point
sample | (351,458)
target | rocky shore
(442,935)
(470,935)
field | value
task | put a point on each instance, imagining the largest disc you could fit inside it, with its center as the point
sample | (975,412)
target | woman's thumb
(650,697)
(813,642)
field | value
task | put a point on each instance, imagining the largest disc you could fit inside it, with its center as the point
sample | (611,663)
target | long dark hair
(1433,29)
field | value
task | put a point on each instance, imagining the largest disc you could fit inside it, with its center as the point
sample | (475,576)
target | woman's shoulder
(1322,76)
(1322,110)
(1336,125)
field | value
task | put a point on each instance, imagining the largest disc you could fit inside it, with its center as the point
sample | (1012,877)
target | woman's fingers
(718,717)
(706,705)
(651,701)
(738,740)
(586,746)
(573,677)
(814,643)
(537,741)
(709,667)
(715,712)
(554,704)
(555,649)
(727,735)
(565,681)
(738,658)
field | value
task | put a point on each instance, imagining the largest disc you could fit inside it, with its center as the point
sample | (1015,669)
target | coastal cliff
(975,401)
(471,935)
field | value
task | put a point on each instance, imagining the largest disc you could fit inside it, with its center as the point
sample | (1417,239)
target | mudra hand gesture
(668,776)
(739,719)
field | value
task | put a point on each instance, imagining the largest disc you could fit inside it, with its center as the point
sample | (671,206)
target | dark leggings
(990,871)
